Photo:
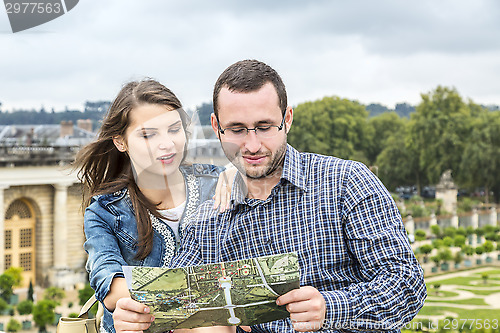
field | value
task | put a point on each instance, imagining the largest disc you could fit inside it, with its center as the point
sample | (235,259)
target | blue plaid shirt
(347,231)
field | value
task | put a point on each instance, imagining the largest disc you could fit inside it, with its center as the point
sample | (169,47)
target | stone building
(41,222)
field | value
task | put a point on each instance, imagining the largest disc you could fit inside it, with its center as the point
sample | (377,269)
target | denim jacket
(111,232)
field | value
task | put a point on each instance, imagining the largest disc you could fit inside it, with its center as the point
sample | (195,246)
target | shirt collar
(293,171)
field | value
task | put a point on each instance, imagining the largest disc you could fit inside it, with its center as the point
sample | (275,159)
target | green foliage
(383,126)
(331,126)
(458,257)
(73,315)
(13,325)
(25,307)
(85,293)
(485,277)
(6,283)
(436,230)
(436,259)
(420,235)
(426,248)
(445,255)
(416,210)
(481,155)
(459,240)
(488,246)
(438,132)
(448,241)
(450,232)
(479,250)
(16,274)
(461,231)
(3,305)
(55,294)
(30,292)
(43,313)
(437,243)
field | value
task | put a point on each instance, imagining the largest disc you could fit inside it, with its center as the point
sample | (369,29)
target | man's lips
(254,159)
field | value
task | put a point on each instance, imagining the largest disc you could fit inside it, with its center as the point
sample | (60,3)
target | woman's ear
(120,143)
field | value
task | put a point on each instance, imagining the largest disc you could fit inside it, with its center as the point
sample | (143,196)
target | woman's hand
(222,195)
(131,316)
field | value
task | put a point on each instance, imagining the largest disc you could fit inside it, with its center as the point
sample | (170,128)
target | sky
(372,51)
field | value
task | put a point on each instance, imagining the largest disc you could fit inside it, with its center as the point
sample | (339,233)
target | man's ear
(213,122)
(288,118)
(120,143)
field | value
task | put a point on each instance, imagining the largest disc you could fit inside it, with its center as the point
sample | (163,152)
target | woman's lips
(167,159)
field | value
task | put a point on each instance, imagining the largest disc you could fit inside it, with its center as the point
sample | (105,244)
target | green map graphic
(239,292)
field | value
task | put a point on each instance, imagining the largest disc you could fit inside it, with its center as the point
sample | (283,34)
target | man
(357,269)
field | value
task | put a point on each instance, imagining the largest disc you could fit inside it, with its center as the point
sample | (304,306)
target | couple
(357,269)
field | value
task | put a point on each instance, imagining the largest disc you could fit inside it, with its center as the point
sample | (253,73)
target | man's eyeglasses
(238,133)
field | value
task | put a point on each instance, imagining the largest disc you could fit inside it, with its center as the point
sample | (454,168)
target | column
(454,220)
(433,220)
(410,228)
(474,219)
(493,216)
(2,227)
(60,225)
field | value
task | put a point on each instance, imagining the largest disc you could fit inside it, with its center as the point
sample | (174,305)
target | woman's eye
(174,130)
(147,135)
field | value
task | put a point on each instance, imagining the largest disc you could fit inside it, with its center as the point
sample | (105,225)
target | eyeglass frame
(280,127)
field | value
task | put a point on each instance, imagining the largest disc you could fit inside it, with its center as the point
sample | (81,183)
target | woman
(138,191)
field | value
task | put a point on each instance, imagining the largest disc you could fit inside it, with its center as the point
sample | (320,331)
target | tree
(6,283)
(383,126)
(16,274)
(13,325)
(25,307)
(485,277)
(420,235)
(3,305)
(438,132)
(43,313)
(85,293)
(331,126)
(397,162)
(436,230)
(481,156)
(426,249)
(55,294)
(30,292)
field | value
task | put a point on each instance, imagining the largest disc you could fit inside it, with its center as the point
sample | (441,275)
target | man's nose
(252,142)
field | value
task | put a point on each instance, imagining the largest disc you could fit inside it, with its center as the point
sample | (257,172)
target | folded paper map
(239,292)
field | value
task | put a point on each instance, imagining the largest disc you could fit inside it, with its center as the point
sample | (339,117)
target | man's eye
(263,128)
(237,130)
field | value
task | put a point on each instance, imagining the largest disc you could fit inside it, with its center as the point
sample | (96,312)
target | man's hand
(131,316)
(307,308)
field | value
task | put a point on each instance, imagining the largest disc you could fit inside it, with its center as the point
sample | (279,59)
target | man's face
(254,156)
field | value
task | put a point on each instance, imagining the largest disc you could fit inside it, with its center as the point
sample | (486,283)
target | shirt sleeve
(104,257)
(393,288)
(189,253)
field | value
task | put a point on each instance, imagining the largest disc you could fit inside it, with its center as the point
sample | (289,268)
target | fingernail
(152,318)
(146,310)
(278,302)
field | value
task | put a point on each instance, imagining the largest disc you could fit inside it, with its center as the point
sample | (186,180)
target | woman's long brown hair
(103,169)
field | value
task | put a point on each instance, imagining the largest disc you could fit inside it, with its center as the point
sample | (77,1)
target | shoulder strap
(84,312)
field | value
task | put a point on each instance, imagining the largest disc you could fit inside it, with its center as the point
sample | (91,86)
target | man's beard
(234,155)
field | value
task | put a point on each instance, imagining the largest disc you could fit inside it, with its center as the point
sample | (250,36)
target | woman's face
(154,141)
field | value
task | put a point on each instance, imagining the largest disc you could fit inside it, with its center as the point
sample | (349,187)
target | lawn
(469,301)
(429,310)
(441,293)
(466,281)
(482,292)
